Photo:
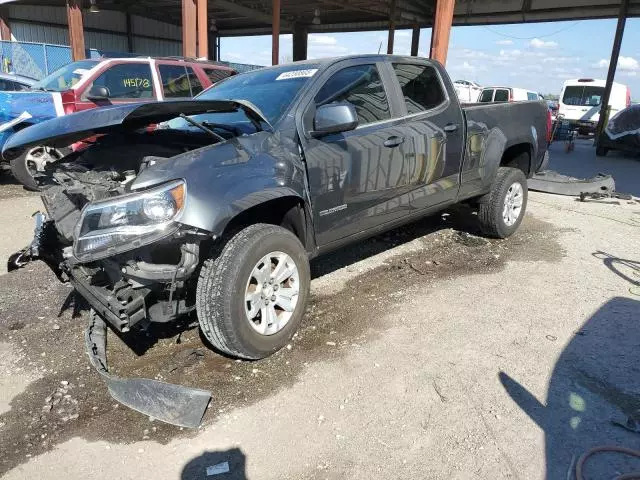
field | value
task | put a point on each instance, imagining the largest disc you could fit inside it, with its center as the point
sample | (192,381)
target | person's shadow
(226,465)
(595,382)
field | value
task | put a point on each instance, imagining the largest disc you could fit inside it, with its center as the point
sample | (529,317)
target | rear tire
(245,328)
(500,212)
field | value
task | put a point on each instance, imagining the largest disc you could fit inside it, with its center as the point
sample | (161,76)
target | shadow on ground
(595,382)
(227,465)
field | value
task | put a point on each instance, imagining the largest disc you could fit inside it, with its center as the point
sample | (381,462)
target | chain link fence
(37,60)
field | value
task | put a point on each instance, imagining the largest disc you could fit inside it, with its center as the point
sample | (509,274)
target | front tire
(251,297)
(501,210)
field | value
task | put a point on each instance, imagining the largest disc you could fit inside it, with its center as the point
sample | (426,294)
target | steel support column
(392,27)
(415,40)
(189,28)
(129,33)
(275,33)
(76,29)
(613,64)
(300,35)
(442,21)
(5,29)
(203,29)
(213,45)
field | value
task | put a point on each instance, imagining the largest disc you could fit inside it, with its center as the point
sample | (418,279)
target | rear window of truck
(420,86)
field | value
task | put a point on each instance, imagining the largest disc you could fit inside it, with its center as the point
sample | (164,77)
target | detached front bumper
(127,289)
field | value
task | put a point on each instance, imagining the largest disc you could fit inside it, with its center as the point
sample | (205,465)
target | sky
(535,56)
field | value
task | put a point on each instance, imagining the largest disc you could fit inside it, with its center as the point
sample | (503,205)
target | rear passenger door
(433,133)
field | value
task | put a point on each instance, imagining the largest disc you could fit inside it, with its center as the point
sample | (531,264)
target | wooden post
(300,35)
(5,29)
(129,33)
(442,21)
(613,64)
(189,37)
(76,29)
(203,33)
(392,27)
(275,35)
(415,40)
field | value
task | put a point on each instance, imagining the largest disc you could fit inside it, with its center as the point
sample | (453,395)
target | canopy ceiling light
(316,17)
(94,6)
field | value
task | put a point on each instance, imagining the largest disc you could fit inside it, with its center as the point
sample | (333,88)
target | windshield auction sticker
(297,74)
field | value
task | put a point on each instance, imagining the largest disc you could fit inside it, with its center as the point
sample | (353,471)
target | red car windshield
(65,77)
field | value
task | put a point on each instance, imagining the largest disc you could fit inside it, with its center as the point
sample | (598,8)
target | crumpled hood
(68,129)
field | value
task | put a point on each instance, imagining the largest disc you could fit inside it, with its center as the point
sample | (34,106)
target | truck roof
(324,62)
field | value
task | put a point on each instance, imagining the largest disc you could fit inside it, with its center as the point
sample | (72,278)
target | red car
(92,83)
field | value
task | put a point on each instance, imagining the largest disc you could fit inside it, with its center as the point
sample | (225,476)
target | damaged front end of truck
(129,215)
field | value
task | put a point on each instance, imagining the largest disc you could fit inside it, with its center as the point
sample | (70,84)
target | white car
(507,94)
(467,90)
(580,101)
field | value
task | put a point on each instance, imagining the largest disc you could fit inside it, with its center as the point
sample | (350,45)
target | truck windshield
(271,90)
(65,77)
(579,95)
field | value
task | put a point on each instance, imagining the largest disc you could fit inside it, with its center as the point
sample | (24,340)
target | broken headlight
(115,225)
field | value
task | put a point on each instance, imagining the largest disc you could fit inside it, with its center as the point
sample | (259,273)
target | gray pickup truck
(215,205)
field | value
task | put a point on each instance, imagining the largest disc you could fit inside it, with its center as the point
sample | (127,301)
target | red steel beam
(5,29)
(76,29)
(392,27)
(442,21)
(203,29)
(189,30)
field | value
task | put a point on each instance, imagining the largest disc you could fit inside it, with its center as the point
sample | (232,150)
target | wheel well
(287,212)
(518,156)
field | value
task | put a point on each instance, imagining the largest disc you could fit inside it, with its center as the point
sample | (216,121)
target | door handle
(393,141)
(450,127)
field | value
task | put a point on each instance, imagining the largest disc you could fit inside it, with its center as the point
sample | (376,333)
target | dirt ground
(426,352)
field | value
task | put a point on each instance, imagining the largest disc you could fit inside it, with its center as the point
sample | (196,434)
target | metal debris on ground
(174,404)
(549,181)
(218,469)
(599,195)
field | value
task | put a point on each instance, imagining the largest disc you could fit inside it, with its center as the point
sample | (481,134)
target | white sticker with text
(297,74)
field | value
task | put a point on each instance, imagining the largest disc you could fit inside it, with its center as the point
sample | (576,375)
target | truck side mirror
(98,94)
(334,118)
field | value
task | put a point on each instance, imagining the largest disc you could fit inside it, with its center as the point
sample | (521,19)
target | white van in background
(507,94)
(467,90)
(580,102)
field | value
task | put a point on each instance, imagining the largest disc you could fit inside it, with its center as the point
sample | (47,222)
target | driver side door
(356,178)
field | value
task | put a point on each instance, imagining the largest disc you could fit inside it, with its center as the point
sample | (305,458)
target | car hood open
(63,131)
